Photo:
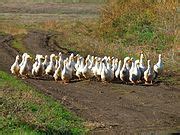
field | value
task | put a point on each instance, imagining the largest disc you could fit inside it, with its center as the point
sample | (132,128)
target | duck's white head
(45,56)
(160,56)
(38,56)
(28,57)
(126,59)
(60,54)
(141,55)
(137,62)
(17,57)
(149,63)
(71,56)
(52,55)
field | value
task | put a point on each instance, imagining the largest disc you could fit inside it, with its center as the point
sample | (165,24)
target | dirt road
(108,108)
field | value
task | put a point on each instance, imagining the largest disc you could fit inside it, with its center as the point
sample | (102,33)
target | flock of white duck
(104,68)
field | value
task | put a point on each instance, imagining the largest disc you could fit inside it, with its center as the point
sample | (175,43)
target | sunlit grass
(26,111)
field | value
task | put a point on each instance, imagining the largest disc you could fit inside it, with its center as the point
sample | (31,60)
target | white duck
(66,75)
(117,72)
(148,74)
(56,62)
(23,57)
(158,67)
(80,68)
(95,67)
(86,71)
(58,71)
(107,74)
(99,68)
(78,62)
(38,68)
(134,72)
(141,65)
(45,62)
(50,68)
(15,67)
(124,72)
(104,73)
(24,69)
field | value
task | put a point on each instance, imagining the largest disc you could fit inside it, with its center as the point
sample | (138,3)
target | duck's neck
(133,65)
(78,61)
(124,64)
(141,59)
(160,60)
(45,61)
(22,60)
(51,60)
(64,68)
(39,61)
(17,60)
(25,61)
(96,64)
(103,67)
(119,65)
(82,63)
(57,63)
(149,65)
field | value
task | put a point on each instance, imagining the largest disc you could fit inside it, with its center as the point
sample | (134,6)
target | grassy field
(26,111)
(61,1)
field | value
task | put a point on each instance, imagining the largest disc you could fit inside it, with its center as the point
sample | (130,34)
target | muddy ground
(107,108)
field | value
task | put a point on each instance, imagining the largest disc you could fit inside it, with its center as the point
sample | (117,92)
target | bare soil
(110,108)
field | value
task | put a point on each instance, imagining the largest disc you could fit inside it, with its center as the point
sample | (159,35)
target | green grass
(17,44)
(28,112)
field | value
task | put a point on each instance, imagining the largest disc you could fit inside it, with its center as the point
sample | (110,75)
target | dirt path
(110,108)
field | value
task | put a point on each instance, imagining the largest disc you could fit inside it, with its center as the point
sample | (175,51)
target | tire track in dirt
(108,108)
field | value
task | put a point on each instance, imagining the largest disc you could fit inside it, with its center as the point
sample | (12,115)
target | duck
(117,72)
(141,65)
(50,68)
(86,71)
(107,74)
(38,68)
(77,63)
(100,67)
(80,68)
(24,68)
(148,73)
(116,64)
(124,72)
(104,73)
(72,63)
(34,66)
(60,62)
(23,57)
(112,71)
(45,62)
(15,67)
(56,62)
(158,67)
(66,75)
(134,72)
(57,74)
(95,67)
